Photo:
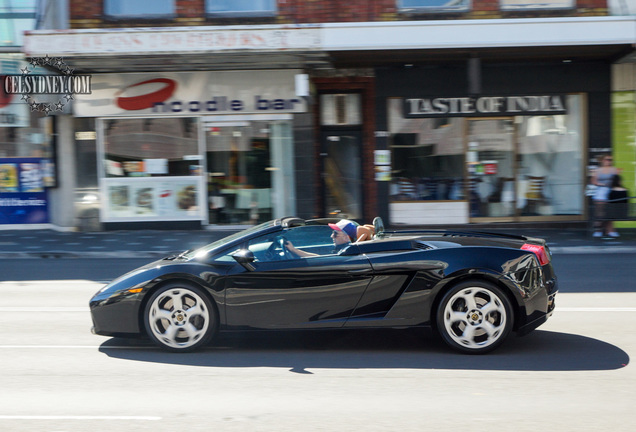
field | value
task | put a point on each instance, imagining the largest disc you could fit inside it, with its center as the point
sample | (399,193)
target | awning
(326,45)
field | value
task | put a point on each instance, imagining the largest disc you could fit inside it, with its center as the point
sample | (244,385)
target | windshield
(229,239)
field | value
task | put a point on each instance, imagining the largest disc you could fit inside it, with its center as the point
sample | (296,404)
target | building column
(62,198)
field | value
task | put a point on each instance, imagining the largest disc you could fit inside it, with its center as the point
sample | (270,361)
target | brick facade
(188,13)
(89,14)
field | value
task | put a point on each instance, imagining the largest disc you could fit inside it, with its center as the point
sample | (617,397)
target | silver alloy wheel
(179,318)
(475,318)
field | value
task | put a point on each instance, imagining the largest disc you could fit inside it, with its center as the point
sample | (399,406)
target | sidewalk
(49,243)
(107,244)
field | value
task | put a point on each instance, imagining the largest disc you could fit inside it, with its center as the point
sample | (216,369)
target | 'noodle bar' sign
(484,106)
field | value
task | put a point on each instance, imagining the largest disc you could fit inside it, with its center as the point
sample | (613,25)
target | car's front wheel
(474,317)
(180,317)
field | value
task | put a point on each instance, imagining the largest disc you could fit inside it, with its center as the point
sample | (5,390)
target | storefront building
(181,138)
(26,156)
(26,150)
(513,148)
(230,126)
(624,125)
(199,147)
(503,126)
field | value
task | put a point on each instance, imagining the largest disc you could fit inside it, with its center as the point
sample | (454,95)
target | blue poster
(23,197)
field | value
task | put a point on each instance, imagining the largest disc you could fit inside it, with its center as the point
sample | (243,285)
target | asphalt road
(573,374)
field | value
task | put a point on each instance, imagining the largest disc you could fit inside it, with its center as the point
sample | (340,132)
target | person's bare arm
(301,253)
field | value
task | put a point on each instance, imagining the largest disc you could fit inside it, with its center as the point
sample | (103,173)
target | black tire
(474,317)
(180,317)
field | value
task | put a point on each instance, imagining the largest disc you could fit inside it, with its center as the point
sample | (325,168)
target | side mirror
(245,257)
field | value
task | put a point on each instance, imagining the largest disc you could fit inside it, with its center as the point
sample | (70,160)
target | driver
(344,232)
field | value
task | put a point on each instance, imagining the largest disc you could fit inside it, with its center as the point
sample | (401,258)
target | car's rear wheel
(180,317)
(474,317)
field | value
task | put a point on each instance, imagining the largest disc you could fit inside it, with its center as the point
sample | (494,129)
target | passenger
(364,232)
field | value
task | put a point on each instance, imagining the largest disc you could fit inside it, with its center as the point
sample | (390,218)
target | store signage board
(484,106)
(191,93)
(155,41)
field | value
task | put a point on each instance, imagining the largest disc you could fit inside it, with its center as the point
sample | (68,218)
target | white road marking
(114,347)
(595,309)
(43,309)
(59,417)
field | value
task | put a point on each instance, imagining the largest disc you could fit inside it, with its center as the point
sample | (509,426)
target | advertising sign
(176,198)
(23,198)
(191,93)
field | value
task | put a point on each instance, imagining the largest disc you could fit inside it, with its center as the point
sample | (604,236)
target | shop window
(517,5)
(424,6)
(151,169)
(241,7)
(621,7)
(511,167)
(427,157)
(550,171)
(151,147)
(139,8)
(27,168)
(340,109)
(16,17)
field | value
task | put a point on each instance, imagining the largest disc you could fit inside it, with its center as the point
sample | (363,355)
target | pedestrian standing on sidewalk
(602,179)
(618,199)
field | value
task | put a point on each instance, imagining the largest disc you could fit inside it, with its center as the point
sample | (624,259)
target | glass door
(342,174)
(490,165)
(249,171)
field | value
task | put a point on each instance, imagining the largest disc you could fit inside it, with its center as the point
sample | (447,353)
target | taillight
(539,251)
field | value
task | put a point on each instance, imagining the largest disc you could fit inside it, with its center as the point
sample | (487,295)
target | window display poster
(23,198)
(31,177)
(9,177)
(157,199)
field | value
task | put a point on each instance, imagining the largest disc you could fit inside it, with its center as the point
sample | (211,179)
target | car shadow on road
(380,349)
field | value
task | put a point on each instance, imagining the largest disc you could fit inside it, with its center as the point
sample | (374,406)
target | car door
(281,292)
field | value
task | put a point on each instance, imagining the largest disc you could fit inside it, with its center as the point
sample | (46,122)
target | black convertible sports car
(472,288)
